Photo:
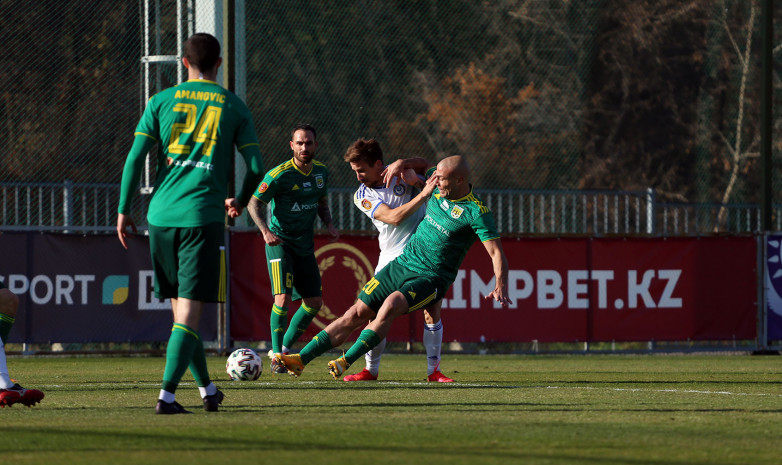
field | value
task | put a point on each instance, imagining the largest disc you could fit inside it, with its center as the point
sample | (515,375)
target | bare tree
(737,153)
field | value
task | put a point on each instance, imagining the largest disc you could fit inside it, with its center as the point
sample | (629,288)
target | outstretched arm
(500,265)
(397,168)
(394,216)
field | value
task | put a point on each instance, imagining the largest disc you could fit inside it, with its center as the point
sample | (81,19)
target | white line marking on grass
(674,391)
(229,384)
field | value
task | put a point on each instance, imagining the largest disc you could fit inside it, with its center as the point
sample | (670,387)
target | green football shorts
(188,262)
(293,274)
(419,290)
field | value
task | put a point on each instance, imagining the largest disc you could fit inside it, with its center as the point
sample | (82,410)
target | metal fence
(91,208)
(594,94)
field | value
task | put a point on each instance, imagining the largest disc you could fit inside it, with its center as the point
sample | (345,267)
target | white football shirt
(392,239)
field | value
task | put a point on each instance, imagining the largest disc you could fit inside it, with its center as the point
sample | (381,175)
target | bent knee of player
(395,304)
(364,312)
(432,313)
(313,302)
(357,315)
(282,300)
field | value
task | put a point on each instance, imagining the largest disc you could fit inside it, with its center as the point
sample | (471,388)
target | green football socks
(6,322)
(179,355)
(278,322)
(365,342)
(299,323)
(317,346)
(198,365)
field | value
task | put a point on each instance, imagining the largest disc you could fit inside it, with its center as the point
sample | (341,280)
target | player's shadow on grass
(164,440)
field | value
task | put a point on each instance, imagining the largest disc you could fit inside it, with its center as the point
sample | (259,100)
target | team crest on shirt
(319,181)
(262,188)
(456,212)
(399,190)
(366,204)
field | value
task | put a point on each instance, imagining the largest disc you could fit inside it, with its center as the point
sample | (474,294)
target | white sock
(209,390)
(433,341)
(5,379)
(373,357)
(166,396)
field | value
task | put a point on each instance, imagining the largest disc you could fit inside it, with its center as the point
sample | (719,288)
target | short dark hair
(364,150)
(304,127)
(202,50)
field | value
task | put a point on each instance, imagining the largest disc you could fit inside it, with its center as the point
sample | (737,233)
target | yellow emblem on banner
(344,260)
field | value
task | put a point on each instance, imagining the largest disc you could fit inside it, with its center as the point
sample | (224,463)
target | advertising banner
(774,286)
(675,289)
(562,290)
(345,267)
(86,289)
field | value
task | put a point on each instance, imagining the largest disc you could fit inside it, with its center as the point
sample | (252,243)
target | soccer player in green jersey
(196,124)
(11,392)
(297,192)
(455,217)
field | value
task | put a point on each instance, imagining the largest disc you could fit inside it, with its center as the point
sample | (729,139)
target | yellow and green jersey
(196,126)
(446,233)
(293,196)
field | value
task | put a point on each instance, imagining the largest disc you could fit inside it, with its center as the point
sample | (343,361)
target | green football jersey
(446,233)
(293,196)
(196,125)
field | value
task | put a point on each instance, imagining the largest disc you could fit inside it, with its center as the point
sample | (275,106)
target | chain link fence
(544,98)
(593,117)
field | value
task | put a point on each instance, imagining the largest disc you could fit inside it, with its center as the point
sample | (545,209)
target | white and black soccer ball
(244,365)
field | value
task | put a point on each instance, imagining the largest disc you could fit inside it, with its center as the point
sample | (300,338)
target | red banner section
(562,290)
(345,267)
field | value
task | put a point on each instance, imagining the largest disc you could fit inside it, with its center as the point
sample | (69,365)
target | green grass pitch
(503,409)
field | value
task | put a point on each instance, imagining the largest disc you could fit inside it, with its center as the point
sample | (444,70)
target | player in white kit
(395,211)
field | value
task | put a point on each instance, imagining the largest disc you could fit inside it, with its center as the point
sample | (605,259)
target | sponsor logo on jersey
(456,212)
(444,205)
(366,204)
(295,187)
(305,206)
(306,185)
(399,190)
(412,294)
(262,188)
(437,225)
(192,163)
(319,181)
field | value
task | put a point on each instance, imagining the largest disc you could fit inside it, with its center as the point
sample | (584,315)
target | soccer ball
(244,365)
